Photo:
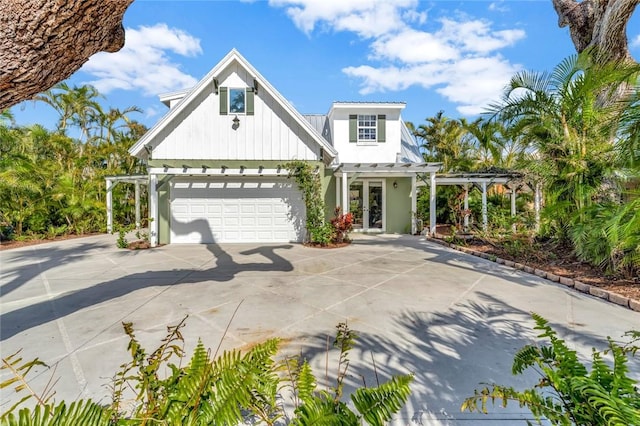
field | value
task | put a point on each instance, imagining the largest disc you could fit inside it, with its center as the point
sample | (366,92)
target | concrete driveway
(453,320)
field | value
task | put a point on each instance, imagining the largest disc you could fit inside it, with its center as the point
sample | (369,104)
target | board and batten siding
(201,132)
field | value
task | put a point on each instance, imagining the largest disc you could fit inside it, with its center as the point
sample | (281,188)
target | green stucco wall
(329,193)
(164,210)
(398,205)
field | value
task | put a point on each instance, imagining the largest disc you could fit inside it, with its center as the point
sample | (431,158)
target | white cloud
(635,42)
(412,46)
(367,18)
(476,35)
(144,63)
(460,60)
(498,6)
(471,83)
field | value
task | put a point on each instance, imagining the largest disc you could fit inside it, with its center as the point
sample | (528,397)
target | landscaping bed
(557,263)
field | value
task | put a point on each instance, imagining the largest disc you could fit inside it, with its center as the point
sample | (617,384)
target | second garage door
(208,211)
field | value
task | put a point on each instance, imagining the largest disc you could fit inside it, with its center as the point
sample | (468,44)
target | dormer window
(367,128)
(367,125)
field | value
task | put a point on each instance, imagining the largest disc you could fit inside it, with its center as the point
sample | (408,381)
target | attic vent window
(236,101)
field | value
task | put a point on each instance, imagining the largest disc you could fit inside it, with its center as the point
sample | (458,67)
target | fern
(604,396)
(86,413)
(223,391)
(377,405)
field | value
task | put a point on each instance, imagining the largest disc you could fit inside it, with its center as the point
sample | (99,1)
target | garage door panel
(258,211)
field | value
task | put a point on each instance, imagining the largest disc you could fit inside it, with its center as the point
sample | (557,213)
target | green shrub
(122,242)
(232,388)
(567,392)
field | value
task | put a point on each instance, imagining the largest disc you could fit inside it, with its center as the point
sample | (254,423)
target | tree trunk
(43,42)
(598,23)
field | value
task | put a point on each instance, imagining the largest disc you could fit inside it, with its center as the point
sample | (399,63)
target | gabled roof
(138,149)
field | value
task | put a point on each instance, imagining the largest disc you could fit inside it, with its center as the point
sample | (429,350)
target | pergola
(483,181)
(112,181)
(346,173)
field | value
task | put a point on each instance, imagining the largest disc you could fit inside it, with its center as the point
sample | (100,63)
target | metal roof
(321,124)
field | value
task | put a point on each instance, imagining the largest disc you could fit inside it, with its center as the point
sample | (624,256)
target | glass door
(375,205)
(356,204)
(366,203)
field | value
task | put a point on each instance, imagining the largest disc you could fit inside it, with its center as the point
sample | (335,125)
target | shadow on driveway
(226,268)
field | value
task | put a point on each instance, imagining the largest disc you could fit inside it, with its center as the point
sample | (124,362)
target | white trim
(366,208)
(217,171)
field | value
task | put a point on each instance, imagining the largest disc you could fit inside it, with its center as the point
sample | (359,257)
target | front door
(366,203)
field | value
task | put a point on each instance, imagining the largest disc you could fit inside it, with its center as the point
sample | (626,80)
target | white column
(537,199)
(345,193)
(432,204)
(137,200)
(466,206)
(414,204)
(153,210)
(338,189)
(109,207)
(513,206)
(484,206)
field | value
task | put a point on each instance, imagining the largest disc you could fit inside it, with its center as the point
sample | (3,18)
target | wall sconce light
(236,122)
(395,185)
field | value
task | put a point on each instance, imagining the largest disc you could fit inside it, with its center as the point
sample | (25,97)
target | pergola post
(338,189)
(153,210)
(432,204)
(137,201)
(484,206)
(513,207)
(109,207)
(466,206)
(414,204)
(537,198)
(345,193)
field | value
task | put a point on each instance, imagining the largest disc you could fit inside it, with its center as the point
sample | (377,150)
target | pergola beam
(111,182)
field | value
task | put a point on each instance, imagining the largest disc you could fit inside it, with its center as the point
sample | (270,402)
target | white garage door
(207,211)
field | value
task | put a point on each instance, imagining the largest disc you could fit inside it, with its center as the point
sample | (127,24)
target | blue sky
(434,55)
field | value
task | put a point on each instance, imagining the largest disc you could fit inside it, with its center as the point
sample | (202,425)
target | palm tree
(445,140)
(490,141)
(562,115)
(76,106)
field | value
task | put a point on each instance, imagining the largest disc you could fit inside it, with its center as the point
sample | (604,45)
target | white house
(215,162)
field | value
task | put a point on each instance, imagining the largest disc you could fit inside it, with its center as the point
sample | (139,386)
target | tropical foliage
(321,231)
(227,389)
(53,183)
(568,393)
(575,131)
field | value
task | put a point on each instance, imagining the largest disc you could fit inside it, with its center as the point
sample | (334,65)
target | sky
(454,56)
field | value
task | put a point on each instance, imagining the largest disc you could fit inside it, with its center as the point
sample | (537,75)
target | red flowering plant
(342,225)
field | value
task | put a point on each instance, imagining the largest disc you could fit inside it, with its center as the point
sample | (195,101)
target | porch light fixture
(236,122)
(395,185)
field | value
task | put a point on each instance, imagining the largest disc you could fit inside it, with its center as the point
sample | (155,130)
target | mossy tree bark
(45,41)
